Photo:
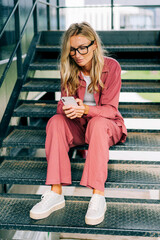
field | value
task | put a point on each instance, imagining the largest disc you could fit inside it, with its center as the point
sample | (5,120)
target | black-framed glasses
(82,49)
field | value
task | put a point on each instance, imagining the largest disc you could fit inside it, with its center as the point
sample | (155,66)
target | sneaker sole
(92,221)
(47,213)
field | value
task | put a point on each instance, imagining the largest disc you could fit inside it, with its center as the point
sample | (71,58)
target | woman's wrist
(86,110)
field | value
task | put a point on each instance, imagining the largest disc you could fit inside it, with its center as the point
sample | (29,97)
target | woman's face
(81,41)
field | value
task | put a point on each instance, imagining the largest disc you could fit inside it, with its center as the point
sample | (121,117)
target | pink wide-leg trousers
(62,133)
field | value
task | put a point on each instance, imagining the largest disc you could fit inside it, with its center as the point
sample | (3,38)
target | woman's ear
(95,45)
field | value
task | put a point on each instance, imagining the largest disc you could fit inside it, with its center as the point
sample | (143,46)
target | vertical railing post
(35,18)
(18,36)
(112,16)
(48,16)
(58,23)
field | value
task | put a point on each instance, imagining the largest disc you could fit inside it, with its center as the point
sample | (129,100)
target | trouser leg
(61,134)
(101,133)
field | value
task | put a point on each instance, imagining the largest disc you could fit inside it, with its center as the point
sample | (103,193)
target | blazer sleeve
(109,98)
(60,103)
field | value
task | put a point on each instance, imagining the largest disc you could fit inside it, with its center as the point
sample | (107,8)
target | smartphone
(69,101)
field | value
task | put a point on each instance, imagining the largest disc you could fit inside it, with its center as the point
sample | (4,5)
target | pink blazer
(107,100)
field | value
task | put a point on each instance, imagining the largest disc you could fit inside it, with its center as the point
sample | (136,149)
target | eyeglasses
(82,49)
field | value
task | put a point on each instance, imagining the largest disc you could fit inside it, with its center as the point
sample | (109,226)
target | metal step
(138,64)
(128,110)
(125,65)
(44,65)
(140,140)
(129,217)
(42,84)
(139,175)
(109,37)
(134,85)
(112,48)
(128,85)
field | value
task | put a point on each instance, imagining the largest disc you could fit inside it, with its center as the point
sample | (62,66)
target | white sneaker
(50,202)
(96,210)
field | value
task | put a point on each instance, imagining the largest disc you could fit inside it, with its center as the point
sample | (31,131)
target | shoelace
(45,194)
(93,204)
(44,199)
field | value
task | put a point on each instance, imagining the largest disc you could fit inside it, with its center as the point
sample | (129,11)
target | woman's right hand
(73,111)
(69,111)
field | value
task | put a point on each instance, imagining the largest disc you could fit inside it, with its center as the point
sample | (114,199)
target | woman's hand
(75,111)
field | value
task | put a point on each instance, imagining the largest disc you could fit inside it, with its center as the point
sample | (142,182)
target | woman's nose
(77,54)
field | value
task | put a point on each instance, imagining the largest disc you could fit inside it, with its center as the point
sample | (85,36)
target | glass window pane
(136,2)
(136,18)
(98,17)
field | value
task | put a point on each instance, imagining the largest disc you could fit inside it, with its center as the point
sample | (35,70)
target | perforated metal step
(113,48)
(42,84)
(142,140)
(128,110)
(134,85)
(128,85)
(120,175)
(44,65)
(130,217)
(137,64)
(126,64)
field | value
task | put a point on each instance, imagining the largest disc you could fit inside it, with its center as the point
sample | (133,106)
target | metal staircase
(135,50)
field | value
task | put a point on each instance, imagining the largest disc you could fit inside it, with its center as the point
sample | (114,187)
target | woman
(95,82)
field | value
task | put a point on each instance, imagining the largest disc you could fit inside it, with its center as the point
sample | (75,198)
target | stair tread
(44,65)
(142,140)
(126,64)
(52,85)
(131,85)
(128,110)
(123,216)
(138,64)
(120,175)
(138,48)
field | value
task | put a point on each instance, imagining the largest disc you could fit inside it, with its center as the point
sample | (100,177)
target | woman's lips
(79,60)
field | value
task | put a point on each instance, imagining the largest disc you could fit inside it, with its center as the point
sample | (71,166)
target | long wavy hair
(68,67)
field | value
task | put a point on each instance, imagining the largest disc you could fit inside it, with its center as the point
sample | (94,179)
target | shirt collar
(105,69)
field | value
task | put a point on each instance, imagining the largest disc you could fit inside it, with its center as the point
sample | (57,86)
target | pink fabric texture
(101,128)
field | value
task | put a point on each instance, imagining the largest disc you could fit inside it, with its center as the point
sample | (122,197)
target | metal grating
(136,110)
(141,176)
(134,85)
(125,65)
(113,48)
(53,85)
(123,216)
(49,85)
(137,64)
(136,140)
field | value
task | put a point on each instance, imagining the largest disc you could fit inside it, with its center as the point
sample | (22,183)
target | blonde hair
(70,70)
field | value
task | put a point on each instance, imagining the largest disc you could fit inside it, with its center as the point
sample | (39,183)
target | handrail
(8,19)
(47,3)
(16,47)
